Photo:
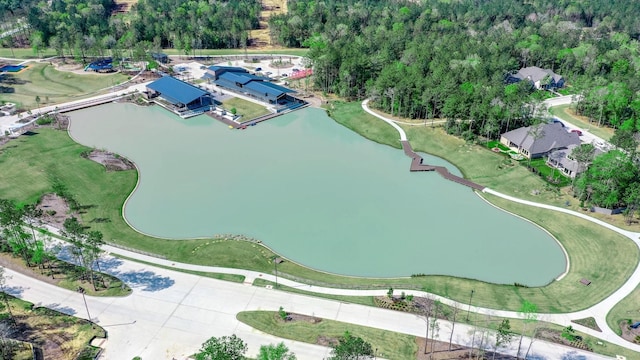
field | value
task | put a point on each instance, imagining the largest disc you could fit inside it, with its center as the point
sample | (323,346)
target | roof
(562,156)
(239,78)
(550,136)
(176,91)
(262,88)
(536,74)
(227,68)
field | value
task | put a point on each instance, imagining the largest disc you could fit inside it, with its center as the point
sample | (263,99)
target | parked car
(295,70)
(554,120)
(258,69)
(268,73)
(577,132)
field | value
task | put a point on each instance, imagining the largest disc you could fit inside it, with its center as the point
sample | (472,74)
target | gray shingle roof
(536,74)
(541,138)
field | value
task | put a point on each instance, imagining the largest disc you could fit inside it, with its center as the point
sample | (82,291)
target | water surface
(316,193)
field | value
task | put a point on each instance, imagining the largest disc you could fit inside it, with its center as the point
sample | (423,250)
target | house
(539,78)
(563,161)
(178,96)
(240,81)
(539,140)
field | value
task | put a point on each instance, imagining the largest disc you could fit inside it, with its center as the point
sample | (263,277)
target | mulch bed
(630,334)
(111,161)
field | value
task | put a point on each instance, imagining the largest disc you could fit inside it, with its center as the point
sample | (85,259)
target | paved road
(169,314)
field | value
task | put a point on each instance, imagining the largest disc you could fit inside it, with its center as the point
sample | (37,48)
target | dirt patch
(439,350)
(111,161)
(628,333)
(556,337)
(55,210)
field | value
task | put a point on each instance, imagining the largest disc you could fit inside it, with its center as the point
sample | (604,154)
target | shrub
(283,314)
(45,120)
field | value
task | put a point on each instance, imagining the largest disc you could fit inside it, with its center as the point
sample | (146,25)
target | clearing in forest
(123,6)
(260,39)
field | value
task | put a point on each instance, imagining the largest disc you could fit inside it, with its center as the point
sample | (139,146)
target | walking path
(598,311)
(170,313)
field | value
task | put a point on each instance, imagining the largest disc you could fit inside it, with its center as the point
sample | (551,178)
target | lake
(316,193)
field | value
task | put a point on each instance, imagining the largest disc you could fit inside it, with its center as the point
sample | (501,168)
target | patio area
(498,147)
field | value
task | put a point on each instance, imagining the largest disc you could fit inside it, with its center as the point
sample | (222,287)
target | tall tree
(503,336)
(224,348)
(528,311)
(351,347)
(275,352)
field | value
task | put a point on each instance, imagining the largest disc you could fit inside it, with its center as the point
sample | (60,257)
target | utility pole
(82,291)
(469,309)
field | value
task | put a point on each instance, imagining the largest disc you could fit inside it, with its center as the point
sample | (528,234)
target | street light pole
(275,266)
(469,309)
(81,290)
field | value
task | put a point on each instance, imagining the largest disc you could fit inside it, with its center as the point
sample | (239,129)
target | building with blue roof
(240,81)
(180,97)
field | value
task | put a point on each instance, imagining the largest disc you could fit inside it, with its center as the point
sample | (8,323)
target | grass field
(246,109)
(567,113)
(29,54)
(627,309)
(390,345)
(53,86)
(51,155)
(271,50)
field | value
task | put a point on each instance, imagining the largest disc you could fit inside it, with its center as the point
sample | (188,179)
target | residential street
(169,314)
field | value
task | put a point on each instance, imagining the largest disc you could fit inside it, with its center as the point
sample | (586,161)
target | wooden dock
(417,165)
(252,122)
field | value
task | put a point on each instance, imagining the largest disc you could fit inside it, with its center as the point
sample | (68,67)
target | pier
(417,165)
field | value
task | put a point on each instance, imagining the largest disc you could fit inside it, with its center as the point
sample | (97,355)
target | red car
(577,132)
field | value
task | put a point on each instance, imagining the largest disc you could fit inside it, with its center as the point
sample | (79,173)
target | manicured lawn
(41,79)
(220,276)
(627,309)
(200,52)
(567,113)
(361,300)
(246,109)
(545,172)
(26,53)
(51,154)
(390,345)
(29,54)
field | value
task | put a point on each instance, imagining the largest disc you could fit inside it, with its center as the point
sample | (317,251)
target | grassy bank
(625,310)
(390,345)
(51,155)
(52,86)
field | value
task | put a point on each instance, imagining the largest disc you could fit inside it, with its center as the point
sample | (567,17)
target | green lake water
(315,192)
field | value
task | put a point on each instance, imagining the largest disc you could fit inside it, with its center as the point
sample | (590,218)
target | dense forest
(417,59)
(89,27)
(448,59)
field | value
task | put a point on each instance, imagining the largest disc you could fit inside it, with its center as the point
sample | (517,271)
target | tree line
(20,236)
(89,27)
